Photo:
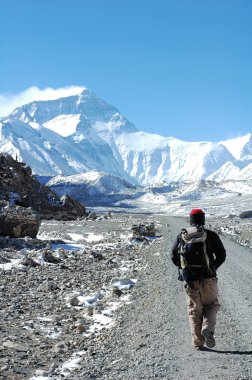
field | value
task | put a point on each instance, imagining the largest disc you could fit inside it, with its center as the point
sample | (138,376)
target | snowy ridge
(152,158)
(237,145)
(90,184)
(81,133)
(230,171)
(92,178)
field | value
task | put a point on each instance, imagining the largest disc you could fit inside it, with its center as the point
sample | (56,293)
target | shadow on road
(229,352)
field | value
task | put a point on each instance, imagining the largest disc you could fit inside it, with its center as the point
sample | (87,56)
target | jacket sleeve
(219,251)
(174,252)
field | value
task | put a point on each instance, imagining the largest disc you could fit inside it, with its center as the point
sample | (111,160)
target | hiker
(198,253)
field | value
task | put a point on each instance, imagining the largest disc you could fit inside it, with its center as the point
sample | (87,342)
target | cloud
(8,102)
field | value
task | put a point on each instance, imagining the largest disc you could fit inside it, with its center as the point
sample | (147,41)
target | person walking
(198,253)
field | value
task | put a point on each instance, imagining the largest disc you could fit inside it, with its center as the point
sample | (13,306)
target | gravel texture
(45,324)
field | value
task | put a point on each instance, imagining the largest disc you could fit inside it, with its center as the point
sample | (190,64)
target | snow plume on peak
(10,101)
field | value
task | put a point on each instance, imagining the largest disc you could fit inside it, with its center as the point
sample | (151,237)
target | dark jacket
(215,250)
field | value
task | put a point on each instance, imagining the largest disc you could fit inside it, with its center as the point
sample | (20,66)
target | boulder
(48,257)
(17,222)
(92,216)
(80,327)
(143,230)
(245,214)
(74,301)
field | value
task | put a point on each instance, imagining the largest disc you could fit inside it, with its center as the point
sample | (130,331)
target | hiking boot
(210,341)
(199,348)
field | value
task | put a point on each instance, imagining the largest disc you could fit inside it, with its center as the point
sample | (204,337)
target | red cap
(196,211)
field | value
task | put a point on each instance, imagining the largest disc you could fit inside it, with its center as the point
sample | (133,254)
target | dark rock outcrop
(20,188)
(16,221)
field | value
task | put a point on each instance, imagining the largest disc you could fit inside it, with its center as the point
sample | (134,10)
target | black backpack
(194,260)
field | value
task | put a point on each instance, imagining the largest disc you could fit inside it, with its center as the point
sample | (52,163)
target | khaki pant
(202,305)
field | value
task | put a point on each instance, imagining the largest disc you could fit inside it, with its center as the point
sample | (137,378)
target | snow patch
(13,263)
(64,125)
(93,238)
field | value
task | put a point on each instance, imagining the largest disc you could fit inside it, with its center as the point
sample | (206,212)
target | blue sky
(178,68)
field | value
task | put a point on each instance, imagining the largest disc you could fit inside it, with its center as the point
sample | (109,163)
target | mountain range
(83,133)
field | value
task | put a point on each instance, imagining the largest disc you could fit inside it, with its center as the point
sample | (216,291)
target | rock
(19,187)
(15,346)
(97,255)
(4,368)
(99,307)
(16,221)
(48,286)
(116,292)
(61,253)
(92,216)
(80,328)
(245,214)
(90,311)
(151,231)
(28,261)
(142,230)
(48,257)
(69,209)
(74,301)
(60,348)
(23,371)
(53,367)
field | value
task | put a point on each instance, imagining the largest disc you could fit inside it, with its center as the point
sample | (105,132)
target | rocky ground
(86,300)
(239,230)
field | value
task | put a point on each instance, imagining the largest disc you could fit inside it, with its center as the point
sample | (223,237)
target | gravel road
(152,339)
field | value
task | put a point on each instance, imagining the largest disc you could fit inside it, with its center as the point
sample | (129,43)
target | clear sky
(180,68)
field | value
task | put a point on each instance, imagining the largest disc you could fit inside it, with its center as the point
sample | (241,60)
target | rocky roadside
(59,292)
(237,229)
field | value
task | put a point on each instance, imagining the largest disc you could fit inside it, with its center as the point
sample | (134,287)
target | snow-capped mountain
(64,136)
(92,187)
(92,183)
(152,158)
(82,133)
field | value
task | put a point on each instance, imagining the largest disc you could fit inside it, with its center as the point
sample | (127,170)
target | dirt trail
(152,339)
